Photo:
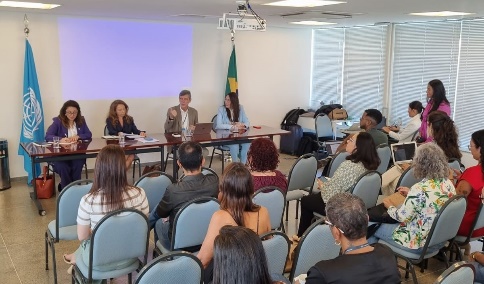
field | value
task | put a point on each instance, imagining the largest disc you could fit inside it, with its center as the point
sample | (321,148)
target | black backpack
(306,145)
(291,117)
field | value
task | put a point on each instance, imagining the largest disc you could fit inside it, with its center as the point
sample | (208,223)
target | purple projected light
(103,59)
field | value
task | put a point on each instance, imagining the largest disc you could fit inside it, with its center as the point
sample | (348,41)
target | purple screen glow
(104,59)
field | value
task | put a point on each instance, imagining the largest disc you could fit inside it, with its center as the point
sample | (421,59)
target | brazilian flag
(232,85)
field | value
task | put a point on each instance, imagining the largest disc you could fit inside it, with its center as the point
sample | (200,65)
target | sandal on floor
(65,259)
(69,270)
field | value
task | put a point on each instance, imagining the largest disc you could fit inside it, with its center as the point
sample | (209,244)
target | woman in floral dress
(422,203)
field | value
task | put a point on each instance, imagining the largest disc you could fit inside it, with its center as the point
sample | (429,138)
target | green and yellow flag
(232,85)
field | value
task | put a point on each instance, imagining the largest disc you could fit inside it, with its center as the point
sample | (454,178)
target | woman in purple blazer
(71,127)
(436,100)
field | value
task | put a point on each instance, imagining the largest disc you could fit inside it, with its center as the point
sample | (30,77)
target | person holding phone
(231,116)
(71,127)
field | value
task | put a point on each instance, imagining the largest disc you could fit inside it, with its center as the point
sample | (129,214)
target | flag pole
(26,28)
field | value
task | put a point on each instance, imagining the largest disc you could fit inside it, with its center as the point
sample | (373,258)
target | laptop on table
(403,152)
(203,128)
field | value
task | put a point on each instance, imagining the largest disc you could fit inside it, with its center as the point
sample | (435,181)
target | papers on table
(147,140)
(42,144)
(110,137)
(133,136)
(67,143)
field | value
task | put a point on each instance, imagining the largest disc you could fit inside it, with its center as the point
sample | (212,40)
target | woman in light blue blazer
(232,116)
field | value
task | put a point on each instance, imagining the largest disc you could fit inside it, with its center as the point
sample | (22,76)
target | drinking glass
(121,139)
(56,140)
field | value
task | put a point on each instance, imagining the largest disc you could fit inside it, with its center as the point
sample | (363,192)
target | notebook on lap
(403,152)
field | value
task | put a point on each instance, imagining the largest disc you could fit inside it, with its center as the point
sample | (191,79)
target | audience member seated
(181,117)
(368,122)
(110,191)
(422,203)
(119,122)
(239,257)
(347,217)
(262,160)
(70,126)
(193,185)
(363,158)
(407,133)
(236,209)
(436,100)
(231,116)
(442,131)
(470,184)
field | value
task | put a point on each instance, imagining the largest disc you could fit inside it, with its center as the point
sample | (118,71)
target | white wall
(273,72)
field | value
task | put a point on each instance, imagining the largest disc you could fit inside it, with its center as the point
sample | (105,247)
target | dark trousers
(69,171)
(309,204)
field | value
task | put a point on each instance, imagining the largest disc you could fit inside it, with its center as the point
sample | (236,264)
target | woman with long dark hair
(363,157)
(470,184)
(232,250)
(231,116)
(71,127)
(262,160)
(110,191)
(236,209)
(119,122)
(441,129)
(436,100)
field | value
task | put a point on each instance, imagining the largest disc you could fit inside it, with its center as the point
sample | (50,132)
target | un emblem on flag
(32,114)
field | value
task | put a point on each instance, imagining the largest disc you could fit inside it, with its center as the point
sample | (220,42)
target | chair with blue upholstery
(324,129)
(274,199)
(316,244)
(188,231)
(460,240)
(64,227)
(407,178)
(336,162)
(300,181)
(175,267)
(444,228)
(154,184)
(367,187)
(276,247)
(385,154)
(459,273)
(121,236)
(456,164)
(221,149)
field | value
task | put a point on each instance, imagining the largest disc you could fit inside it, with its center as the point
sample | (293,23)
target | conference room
(146,52)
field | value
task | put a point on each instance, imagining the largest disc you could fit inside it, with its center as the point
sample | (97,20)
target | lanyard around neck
(352,248)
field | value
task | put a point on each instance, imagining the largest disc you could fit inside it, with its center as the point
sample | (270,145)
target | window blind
(423,52)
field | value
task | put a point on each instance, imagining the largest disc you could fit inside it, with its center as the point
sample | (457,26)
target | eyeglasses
(327,222)
(71,112)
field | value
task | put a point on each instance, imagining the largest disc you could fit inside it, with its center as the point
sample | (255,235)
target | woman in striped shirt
(110,191)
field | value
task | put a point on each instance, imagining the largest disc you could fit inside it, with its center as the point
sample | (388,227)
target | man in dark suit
(181,117)
(194,184)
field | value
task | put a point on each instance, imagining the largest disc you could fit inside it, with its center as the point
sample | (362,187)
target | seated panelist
(70,126)
(119,122)
(231,116)
(181,117)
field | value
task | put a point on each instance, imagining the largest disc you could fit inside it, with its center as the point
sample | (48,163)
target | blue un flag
(33,114)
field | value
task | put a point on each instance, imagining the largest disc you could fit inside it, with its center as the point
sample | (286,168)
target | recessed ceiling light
(441,14)
(312,23)
(304,3)
(31,5)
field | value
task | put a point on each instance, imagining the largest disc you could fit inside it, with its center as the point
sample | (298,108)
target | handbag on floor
(44,185)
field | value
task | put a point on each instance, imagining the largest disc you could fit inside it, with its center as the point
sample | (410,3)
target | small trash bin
(4,169)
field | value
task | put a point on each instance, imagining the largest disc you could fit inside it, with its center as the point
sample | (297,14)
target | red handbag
(45,185)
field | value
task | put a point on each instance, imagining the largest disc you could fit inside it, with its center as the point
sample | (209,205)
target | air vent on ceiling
(315,14)
(194,16)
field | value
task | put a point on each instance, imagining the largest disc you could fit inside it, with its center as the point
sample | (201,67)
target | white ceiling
(362,12)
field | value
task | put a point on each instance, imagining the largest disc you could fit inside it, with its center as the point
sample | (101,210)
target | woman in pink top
(263,159)
(436,100)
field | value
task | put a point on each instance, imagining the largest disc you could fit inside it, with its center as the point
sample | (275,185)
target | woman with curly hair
(422,203)
(263,159)
(363,157)
(119,122)
(442,129)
